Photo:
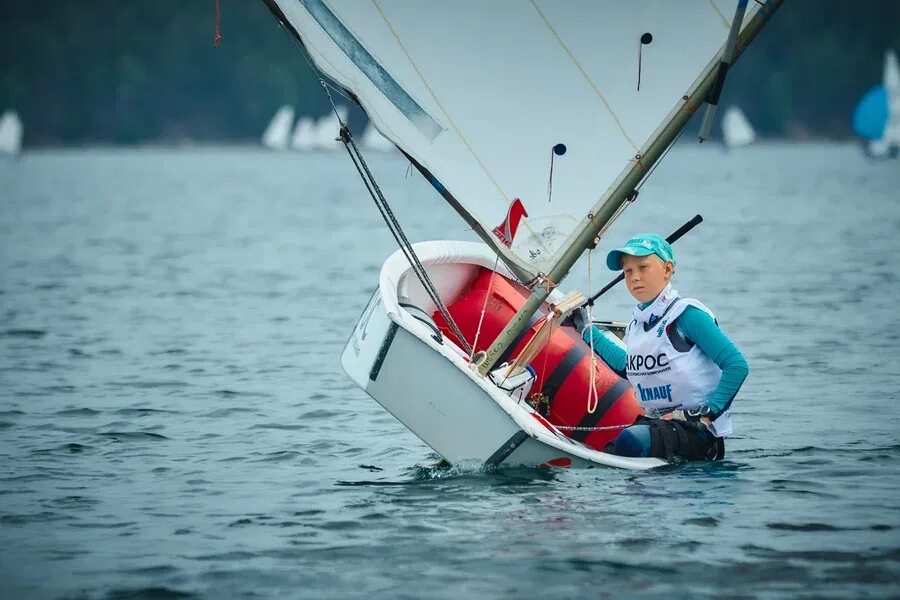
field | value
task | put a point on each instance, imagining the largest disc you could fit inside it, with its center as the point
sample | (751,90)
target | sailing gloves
(580,319)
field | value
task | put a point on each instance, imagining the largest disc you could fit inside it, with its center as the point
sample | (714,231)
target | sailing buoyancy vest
(666,377)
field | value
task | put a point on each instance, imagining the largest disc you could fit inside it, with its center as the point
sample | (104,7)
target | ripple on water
(149,593)
(135,436)
(32,334)
(803,527)
(255,484)
(67,448)
(77,412)
(281,426)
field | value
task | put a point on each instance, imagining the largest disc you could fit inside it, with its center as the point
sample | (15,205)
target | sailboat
(736,128)
(304,136)
(536,121)
(876,118)
(278,133)
(10,133)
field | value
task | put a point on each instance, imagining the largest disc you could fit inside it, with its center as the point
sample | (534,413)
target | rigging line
(397,231)
(484,306)
(585,75)
(305,54)
(386,213)
(438,102)
(399,236)
(593,397)
(604,428)
(405,245)
(716,8)
(217,39)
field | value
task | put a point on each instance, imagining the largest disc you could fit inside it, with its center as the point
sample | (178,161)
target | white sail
(736,129)
(10,133)
(278,133)
(373,140)
(328,128)
(478,93)
(892,86)
(304,134)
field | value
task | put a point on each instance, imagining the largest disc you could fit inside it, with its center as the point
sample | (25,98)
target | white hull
(428,386)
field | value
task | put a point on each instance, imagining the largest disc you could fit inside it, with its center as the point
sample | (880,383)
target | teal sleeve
(611,353)
(697,326)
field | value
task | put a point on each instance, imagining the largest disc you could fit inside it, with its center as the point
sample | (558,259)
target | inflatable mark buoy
(563,366)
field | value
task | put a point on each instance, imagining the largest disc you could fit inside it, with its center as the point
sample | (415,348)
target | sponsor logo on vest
(660,392)
(636,362)
(662,327)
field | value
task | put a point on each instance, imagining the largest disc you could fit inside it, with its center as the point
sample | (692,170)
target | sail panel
(505,81)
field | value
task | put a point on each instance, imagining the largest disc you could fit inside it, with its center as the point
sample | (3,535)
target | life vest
(667,372)
(562,368)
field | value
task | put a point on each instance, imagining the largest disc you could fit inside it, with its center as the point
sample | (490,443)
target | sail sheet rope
(484,306)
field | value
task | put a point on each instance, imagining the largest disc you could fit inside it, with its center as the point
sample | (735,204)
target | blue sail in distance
(871,113)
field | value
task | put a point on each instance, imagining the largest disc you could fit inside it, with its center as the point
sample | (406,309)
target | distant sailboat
(373,140)
(278,133)
(736,129)
(877,114)
(304,137)
(10,134)
(327,129)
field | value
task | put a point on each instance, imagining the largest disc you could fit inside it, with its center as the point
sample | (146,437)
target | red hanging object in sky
(218,39)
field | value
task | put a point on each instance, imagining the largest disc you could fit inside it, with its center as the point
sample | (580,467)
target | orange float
(563,366)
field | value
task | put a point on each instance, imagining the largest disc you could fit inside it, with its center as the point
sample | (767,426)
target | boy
(682,366)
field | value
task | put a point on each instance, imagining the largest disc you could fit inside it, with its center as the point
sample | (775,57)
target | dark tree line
(116,71)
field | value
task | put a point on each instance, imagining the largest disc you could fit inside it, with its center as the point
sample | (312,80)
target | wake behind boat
(463,343)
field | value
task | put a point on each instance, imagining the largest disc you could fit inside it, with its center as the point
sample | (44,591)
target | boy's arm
(611,353)
(697,326)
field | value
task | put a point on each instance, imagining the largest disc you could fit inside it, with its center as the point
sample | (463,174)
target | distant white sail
(304,134)
(892,85)
(278,133)
(10,133)
(373,140)
(478,93)
(328,128)
(736,129)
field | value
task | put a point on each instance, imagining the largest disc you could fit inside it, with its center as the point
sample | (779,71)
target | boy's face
(646,276)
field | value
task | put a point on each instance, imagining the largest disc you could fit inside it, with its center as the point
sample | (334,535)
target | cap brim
(614,258)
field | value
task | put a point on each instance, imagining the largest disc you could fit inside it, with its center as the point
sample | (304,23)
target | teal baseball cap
(643,244)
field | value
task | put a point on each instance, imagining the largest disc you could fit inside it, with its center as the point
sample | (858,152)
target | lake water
(174,421)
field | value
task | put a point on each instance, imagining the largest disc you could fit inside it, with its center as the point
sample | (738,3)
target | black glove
(580,319)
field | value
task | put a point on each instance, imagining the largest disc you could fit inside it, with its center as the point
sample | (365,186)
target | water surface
(174,421)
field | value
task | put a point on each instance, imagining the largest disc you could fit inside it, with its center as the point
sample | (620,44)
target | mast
(609,204)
